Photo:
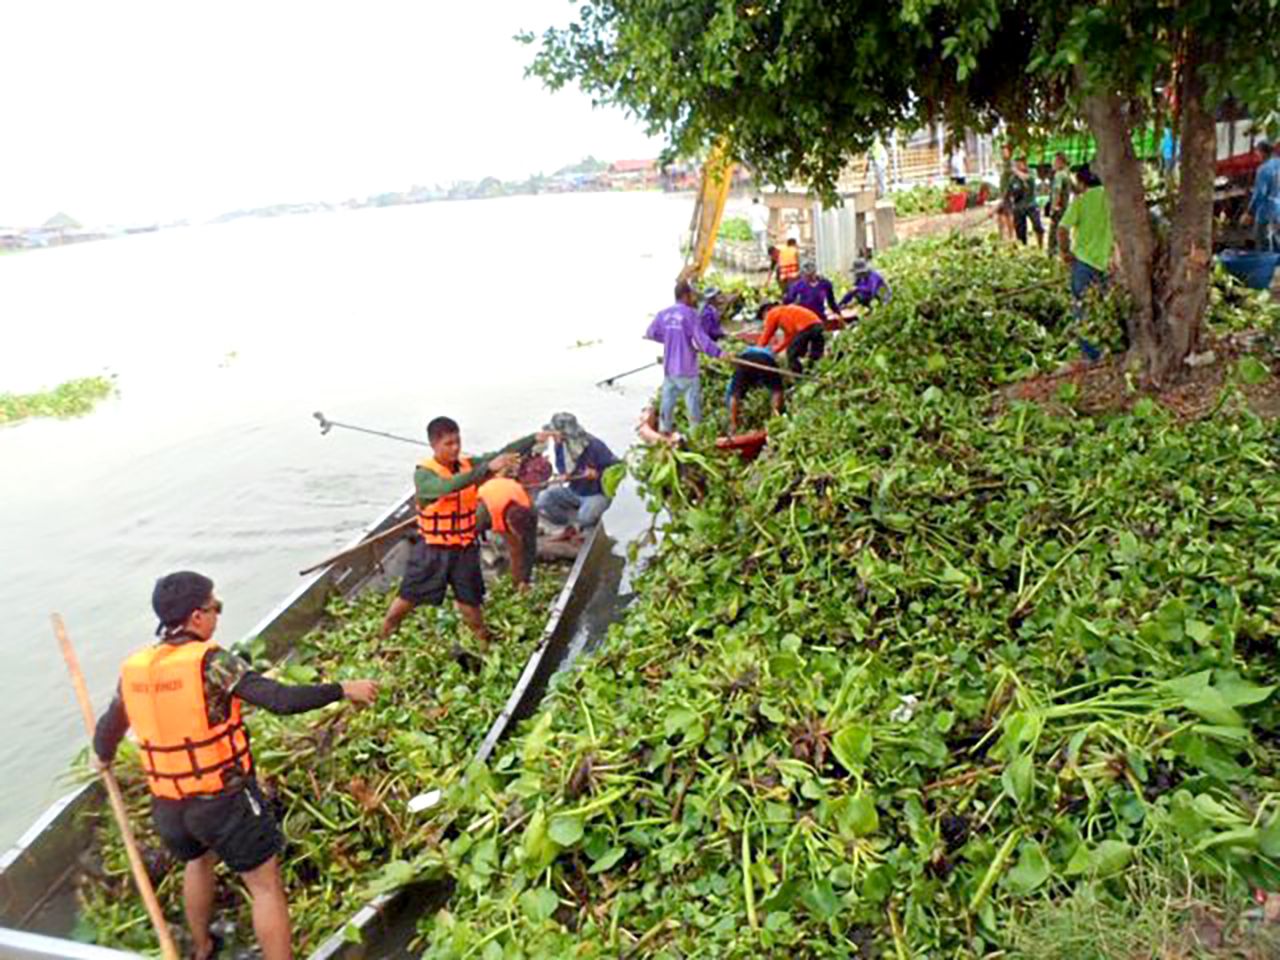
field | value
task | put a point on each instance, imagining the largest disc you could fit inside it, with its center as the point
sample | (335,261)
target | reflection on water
(225,340)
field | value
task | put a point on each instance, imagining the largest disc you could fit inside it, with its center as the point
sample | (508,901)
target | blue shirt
(596,455)
(1265,202)
(761,355)
(813,296)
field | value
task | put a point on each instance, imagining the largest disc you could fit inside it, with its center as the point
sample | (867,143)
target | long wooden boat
(38,874)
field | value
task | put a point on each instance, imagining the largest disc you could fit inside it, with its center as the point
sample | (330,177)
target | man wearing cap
(183,698)
(812,291)
(868,286)
(581,503)
(505,508)
(682,339)
(1264,202)
(709,315)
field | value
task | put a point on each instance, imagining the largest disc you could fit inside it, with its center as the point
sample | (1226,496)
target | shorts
(432,570)
(748,378)
(238,827)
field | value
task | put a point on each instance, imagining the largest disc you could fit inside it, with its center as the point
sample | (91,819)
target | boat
(38,874)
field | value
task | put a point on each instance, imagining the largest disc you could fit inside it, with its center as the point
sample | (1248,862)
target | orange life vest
(183,755)
(451,520)
(788,262)
(498,494)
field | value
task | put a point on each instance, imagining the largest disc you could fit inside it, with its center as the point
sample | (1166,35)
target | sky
(134,112)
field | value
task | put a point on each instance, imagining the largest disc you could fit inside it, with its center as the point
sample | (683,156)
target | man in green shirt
(1059,198)
(447,557)
(1085,237)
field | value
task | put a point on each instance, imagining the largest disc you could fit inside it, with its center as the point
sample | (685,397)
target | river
(224,340)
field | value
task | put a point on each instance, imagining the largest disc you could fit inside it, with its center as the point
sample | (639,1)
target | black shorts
(432,570)
(239,827)
(748,378)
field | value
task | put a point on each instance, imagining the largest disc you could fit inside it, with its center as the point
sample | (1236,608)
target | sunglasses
(215,607)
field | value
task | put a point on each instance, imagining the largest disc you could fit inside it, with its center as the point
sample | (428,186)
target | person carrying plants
(682,338)
(1059,198)
(745,379)
(505,508)
(801,332)
(580,504)
(1004,209)
(868,286)
(447,556)
(1086,240)
(812,291)
(183,696)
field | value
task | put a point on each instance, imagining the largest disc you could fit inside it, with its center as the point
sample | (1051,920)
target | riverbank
(930,677)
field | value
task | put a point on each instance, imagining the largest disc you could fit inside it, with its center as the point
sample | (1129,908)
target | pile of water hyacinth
(935,666)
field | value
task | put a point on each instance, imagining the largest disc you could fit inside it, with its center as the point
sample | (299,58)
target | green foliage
(929,663)
(74,398)
(920,199)
(737,229)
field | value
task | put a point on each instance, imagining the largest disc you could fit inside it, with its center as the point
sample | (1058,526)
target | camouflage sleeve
(223,670)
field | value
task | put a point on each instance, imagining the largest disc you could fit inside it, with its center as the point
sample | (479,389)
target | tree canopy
(794,86)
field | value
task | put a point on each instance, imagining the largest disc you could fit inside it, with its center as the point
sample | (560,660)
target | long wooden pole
(739,362)
(167,948)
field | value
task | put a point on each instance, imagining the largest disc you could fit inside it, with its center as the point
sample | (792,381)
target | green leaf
(1031,870)
(852,746)
(566,829)
(860,815)
(539,904)
(1253,371)
(612,478)
(1019,780)
(535,742)
(821,900)
(607,859)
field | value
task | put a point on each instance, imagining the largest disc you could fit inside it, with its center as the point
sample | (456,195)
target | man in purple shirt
(709,316)
(867,285)
(682,338)
(812,291)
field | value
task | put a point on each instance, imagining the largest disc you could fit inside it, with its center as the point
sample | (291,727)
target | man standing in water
(448,556)
(182,696)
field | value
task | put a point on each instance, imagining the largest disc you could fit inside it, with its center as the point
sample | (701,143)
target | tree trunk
(1184,278)
(1121,173)
(1168,282)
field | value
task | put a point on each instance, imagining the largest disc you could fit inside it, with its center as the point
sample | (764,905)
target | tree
(795,85)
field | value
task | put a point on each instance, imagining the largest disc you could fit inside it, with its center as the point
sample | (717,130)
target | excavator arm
(713,191)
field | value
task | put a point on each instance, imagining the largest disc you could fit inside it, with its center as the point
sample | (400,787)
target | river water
(224,340)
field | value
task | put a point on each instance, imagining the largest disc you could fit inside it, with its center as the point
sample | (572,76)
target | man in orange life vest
(788,264)
(505,508)
(448,555)
(182,696)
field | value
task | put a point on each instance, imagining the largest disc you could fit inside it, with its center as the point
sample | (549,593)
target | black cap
(178,595)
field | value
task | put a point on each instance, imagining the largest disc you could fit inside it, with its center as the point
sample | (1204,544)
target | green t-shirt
(1090,218)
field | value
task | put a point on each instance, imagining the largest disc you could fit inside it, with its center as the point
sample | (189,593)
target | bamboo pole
(167,948)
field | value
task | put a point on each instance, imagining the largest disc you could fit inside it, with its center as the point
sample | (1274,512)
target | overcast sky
(129,111)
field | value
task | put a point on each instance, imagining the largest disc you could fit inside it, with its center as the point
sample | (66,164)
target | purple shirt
(866,288)
(812,296)
(709,321)
(681,335)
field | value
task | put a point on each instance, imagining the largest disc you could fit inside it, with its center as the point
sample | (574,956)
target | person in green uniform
(1059,198)
(1086,240)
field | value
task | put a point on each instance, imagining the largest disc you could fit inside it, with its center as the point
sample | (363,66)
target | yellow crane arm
(713,191)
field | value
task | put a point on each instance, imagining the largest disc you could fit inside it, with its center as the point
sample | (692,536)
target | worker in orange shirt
(801,332)
(506,508)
